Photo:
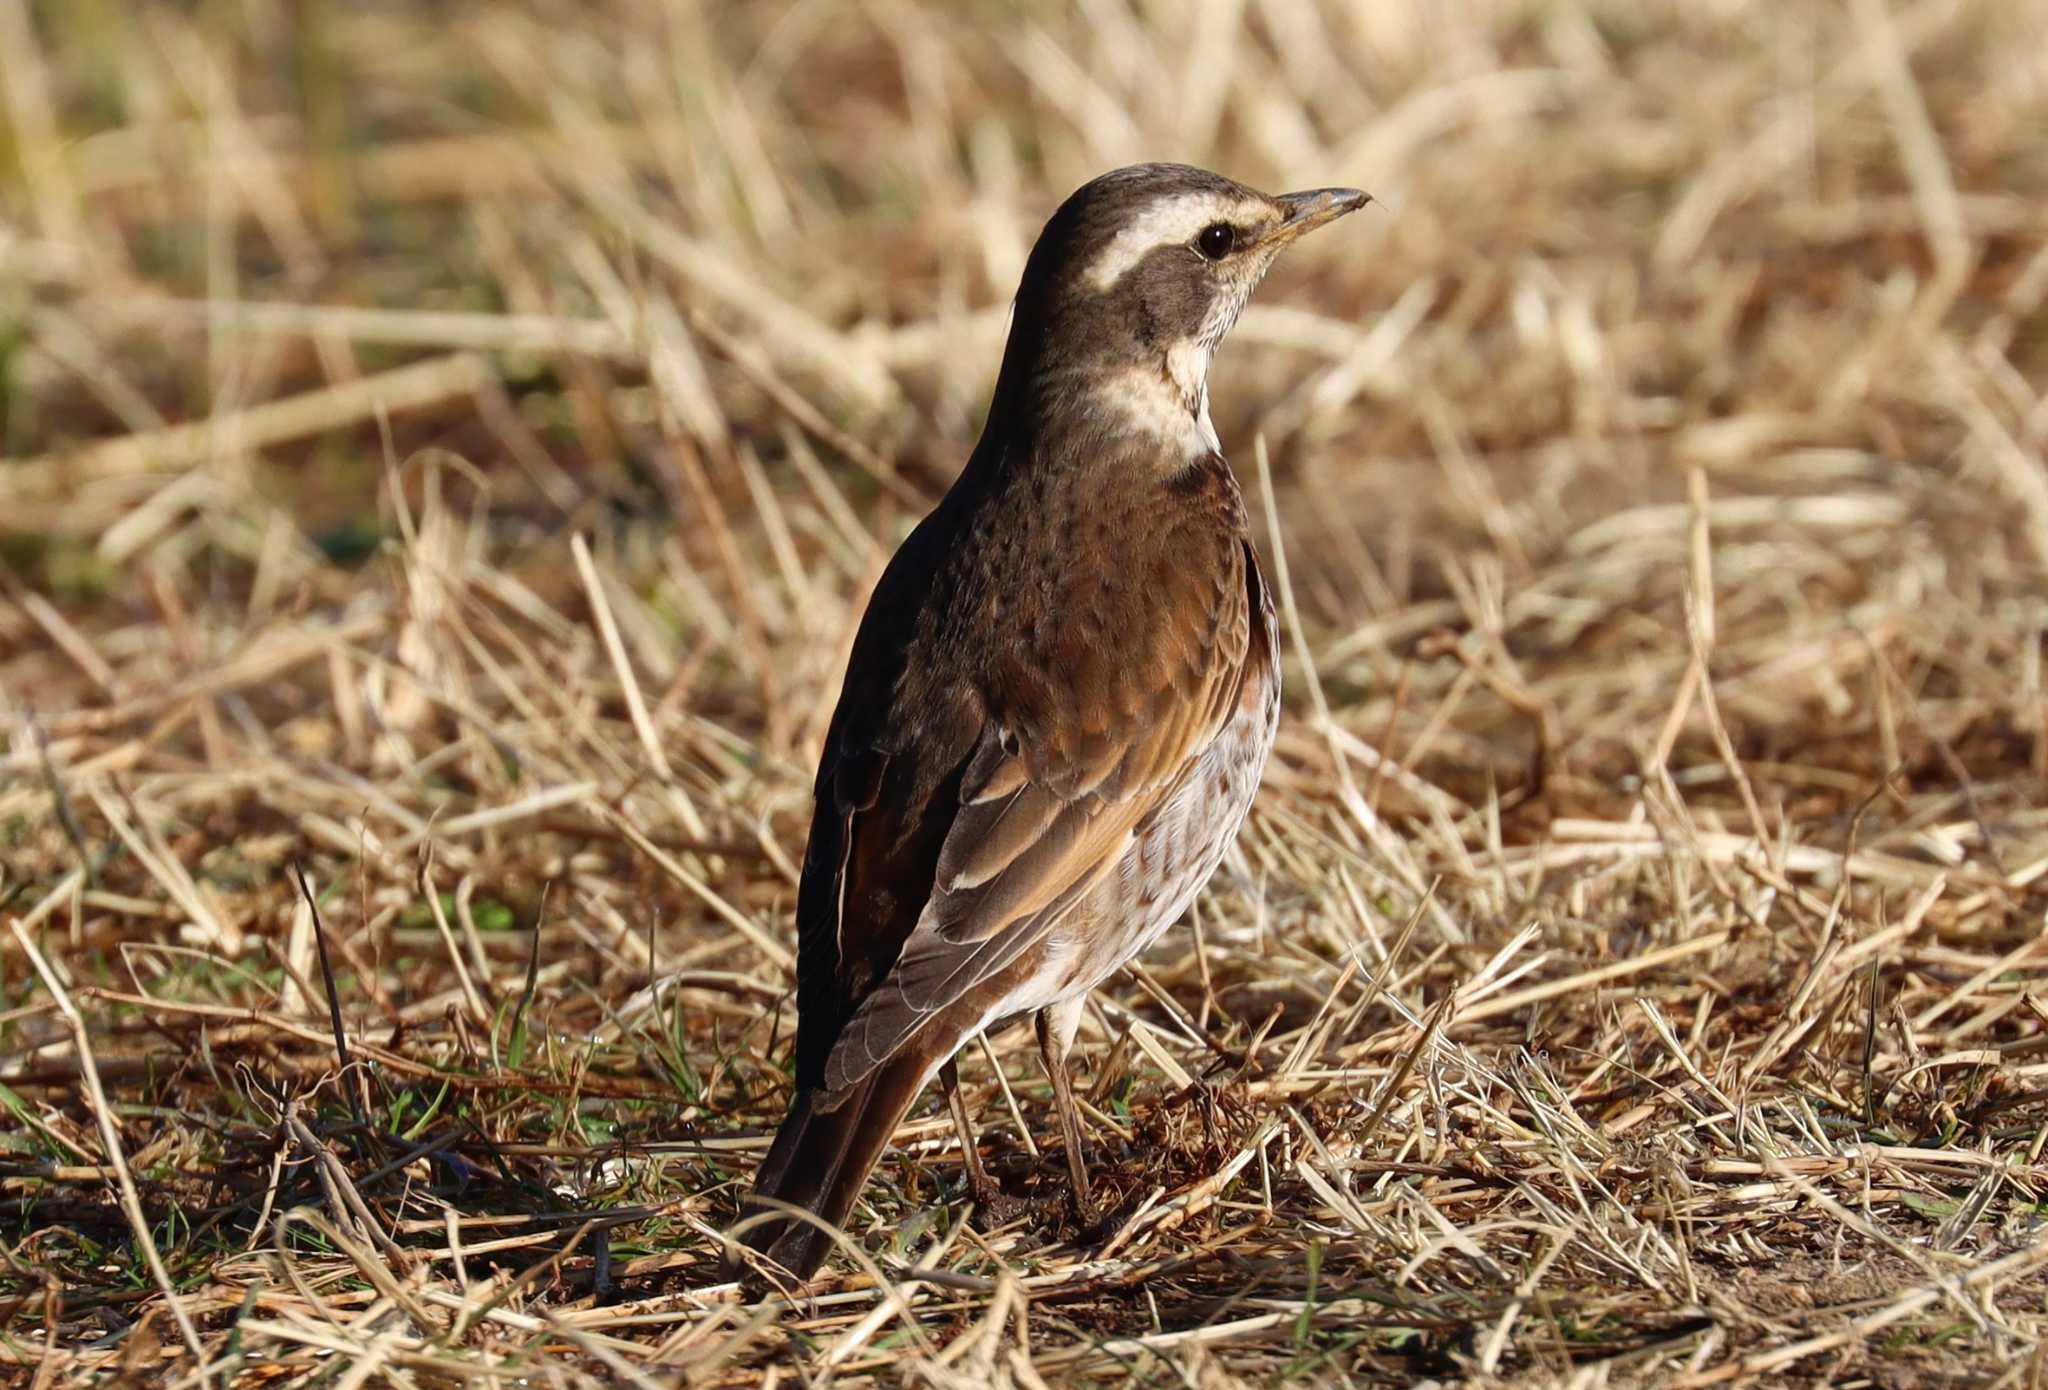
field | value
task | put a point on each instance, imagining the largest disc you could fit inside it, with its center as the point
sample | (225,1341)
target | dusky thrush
(1059,701)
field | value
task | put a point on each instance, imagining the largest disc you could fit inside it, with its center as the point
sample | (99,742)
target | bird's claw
(1098,1221)
(995,1208)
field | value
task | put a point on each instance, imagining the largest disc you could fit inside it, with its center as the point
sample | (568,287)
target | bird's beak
(1304,212)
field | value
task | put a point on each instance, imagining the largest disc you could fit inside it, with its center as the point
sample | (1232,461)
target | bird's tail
(821,1159)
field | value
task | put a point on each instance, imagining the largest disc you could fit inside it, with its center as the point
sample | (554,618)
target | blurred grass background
(1658,470)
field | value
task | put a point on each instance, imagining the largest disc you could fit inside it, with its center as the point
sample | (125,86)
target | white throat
(1187,367)
(1172,405)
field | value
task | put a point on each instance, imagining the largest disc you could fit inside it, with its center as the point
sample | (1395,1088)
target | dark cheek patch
(1169,291)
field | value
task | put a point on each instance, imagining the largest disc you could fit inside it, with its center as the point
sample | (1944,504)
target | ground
(446,447)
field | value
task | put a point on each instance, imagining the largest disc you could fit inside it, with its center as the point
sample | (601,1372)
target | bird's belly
(1174,854)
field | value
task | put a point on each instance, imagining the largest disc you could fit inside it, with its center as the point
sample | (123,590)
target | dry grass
(448,447)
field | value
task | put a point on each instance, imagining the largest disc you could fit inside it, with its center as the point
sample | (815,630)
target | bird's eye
(1216,240)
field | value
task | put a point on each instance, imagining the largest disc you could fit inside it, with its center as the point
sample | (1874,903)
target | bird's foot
(994,1208)
(1096,1221)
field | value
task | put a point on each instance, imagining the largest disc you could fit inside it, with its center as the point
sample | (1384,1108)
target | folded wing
(1078,744)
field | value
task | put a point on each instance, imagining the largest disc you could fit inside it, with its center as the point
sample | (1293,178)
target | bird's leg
(970,1150)
(1054,1050)
(992,1205)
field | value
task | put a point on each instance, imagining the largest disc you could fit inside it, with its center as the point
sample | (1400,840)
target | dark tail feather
(821,1159)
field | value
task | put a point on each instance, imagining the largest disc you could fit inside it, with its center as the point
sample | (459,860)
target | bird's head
(1133,283)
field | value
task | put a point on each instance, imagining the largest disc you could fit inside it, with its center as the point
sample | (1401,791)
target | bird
(1059,701)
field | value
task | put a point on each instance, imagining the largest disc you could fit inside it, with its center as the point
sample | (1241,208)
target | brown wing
(1092,711)
(885,799)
